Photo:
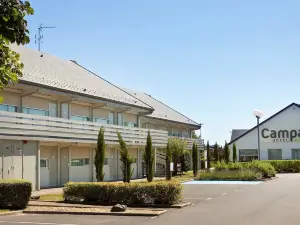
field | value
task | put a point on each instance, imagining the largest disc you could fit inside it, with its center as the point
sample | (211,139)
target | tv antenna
(39,38)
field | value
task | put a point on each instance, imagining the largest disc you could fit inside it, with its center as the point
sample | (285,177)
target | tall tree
(168,161)
(234,153)
(221,154)
(184,161)
(13,29)
(149,158)
(100,155)
(208,155)
(226,152)
(195,159)
(125,159)
(216,152)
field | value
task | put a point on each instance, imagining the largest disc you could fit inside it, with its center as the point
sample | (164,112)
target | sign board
(171,166)
(268,135)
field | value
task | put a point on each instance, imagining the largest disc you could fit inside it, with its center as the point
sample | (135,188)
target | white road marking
(224,193)
(209,199)
(10,222)
(153,217)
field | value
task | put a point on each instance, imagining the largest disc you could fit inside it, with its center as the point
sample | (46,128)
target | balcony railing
(20,126)
(190,141)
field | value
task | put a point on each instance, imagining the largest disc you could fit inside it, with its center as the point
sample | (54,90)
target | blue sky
(214,61)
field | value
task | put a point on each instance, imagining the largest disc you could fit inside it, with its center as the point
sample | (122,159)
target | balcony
(19,126)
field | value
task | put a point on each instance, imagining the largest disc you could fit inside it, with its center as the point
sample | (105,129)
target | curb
(11,213)
(97,213)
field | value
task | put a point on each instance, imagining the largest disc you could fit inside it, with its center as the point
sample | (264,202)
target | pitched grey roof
(162,111)
(237,132)
(63,74)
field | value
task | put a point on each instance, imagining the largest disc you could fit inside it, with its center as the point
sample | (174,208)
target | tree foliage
(208,155)
(13,29)
(216,152)
(100,156)
(194,135)
(168,161)
(125,159)
(149,158)
(195,159)
(226,152)
(234,153)
(184,161)
(178,147)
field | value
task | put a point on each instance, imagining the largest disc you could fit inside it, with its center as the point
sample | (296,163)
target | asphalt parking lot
(273,202)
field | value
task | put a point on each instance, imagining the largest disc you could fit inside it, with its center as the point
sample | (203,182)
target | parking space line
(37,223)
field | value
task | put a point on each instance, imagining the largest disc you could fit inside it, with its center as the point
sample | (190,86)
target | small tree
(149,158)
(234,152)
(178,148)
(184,161)
(226,152)
(221,154)
(208,155)
(100,156)
(216,152)
(195,159)
(168,161)
(125,159)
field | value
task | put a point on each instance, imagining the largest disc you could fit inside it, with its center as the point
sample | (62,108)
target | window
(43,163)
(80,162)
(106,161)
(80,118)
(274,154)
(8,108)
(111,118)
(101,120)
(65,110)
(246,155)
(53,108)
(295,153)
(120,119)
(40,112)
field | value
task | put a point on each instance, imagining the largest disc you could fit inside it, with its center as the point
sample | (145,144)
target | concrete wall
(287,120)
(11,160)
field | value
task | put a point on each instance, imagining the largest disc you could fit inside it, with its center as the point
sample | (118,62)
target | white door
(44,173)
(134,168)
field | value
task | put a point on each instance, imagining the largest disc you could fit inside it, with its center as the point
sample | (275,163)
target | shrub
(100,155)
(265,168)
(244,175)
(285,166)
(162,192)
(14,194)
(149,158)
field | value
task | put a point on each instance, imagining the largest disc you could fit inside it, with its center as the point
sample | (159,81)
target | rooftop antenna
(39,38)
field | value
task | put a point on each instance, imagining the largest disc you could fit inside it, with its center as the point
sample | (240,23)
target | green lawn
(4,210)
(185,177)
(52,197)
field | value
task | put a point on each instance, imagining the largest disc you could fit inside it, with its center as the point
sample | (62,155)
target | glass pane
(101,120)
(53,108)
(3,107)
(111,118)
(65,110)
(274,154)
(80,118)
(43,163)
(120,119)
(13,109)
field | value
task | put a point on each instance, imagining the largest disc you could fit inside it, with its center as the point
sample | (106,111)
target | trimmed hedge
(264,167)
(14,194)
(163,192)
(285,166)
(241,175)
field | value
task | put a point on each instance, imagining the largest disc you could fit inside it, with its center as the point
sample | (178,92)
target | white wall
(287,120)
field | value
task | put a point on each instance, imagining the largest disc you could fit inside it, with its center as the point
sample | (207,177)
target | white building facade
(49,123)
(279,137)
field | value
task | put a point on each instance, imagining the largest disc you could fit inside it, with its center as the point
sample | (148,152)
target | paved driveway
(274,202)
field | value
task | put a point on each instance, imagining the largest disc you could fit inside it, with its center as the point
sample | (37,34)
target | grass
(4,210)
(184,177)
(52,197)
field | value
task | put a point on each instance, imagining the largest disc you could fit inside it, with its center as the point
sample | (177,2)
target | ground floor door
(81,164)
(64,165)
(45,173)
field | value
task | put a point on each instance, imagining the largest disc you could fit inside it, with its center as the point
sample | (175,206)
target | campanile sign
(268,135)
